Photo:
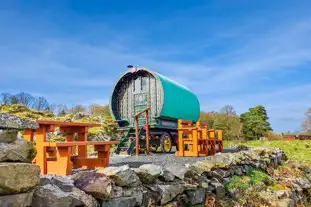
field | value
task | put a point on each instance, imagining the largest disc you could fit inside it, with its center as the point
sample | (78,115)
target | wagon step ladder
(127,144)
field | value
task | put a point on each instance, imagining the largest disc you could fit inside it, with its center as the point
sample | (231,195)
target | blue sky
(242,53)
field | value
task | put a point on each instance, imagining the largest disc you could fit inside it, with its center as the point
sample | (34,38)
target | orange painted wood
(66,124)
(72,130)
(82,151)
(90,163)
(55,157)
(29,135)
(200,140)
(64,144)
(62,165)
(41,150)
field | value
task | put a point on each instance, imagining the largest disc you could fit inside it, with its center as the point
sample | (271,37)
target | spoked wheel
(166,143)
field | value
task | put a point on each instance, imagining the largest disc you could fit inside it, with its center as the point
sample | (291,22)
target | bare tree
(41,104)
(5,98)
(25,98)
(228,110)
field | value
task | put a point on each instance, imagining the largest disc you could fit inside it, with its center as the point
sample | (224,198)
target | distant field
(296,150)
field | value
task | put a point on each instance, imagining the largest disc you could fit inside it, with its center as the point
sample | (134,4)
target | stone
(87,200)
(203,166)
(220,190)
(8,135)
(17,200)
(52,196)
(167,176)
(196,196)
(63,182)
(223,161)
(238,171)
(18,151)
(117,192)
(18,177)
(148,173)
(169,192)
(120,202)
(286,203)
(96,184)
(241,148)
(304,183)
(122,176)
(137,193)
(8,121)
(46,179)
(151,198)
(223,173)
(283,194)
(215,174)
(179,170)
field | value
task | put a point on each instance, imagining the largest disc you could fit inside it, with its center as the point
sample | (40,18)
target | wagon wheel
(166,143)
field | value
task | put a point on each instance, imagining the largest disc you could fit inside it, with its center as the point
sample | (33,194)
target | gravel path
(154,158)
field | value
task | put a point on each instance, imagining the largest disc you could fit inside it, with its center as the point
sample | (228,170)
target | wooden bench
(60,160)
(61,157)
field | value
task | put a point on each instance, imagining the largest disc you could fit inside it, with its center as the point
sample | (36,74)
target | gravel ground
(154,158)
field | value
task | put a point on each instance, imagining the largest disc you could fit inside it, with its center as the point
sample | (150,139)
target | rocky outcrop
(8,121)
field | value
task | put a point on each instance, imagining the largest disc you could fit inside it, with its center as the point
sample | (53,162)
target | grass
(252,178)
(297,150)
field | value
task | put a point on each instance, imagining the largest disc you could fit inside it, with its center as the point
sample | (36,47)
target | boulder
(87,200)
(18,151)
(137,193)
(120,202)
(52,196)
(169,192)
(223,173)
(203,166)
(220,190)
(179,171)
(96,184)
(223,161)
(122,176)
(8,135)
(63,182)
(148,173)
(196,196)
(167,176)
(238,171)
(18,177)
(8,121)
(17,200)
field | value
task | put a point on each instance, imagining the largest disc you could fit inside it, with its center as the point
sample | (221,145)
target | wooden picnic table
(61,157)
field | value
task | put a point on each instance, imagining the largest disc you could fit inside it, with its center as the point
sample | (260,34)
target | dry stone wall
(18,177)
(153,185)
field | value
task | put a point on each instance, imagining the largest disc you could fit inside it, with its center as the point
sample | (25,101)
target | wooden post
(137,137)
(41,149)
(147,131)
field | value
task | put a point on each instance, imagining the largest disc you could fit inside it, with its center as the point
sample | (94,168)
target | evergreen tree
(255,123)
